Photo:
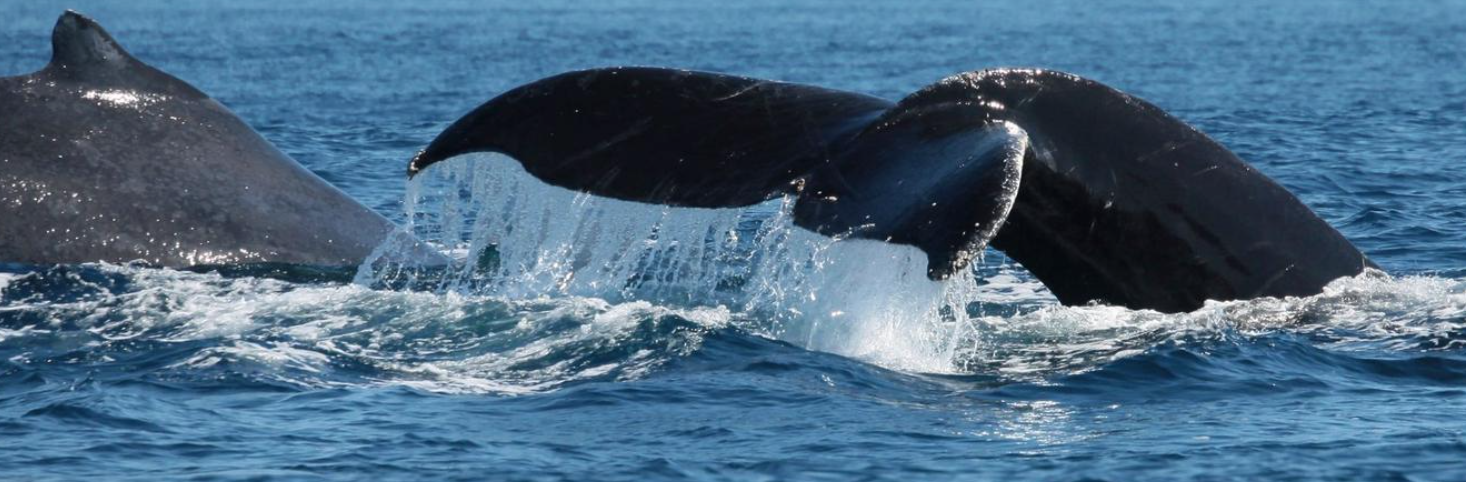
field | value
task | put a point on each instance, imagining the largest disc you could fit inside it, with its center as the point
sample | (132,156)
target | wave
(205,329)
(553,289)
(193,327)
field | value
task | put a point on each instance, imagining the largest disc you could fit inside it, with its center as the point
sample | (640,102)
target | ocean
(726,344)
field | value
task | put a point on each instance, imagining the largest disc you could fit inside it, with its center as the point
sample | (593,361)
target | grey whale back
(104,158)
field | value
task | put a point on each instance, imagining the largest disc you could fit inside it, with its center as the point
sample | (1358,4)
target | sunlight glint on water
(116,370)
(515,237)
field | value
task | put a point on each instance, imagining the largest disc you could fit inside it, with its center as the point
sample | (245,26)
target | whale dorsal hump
(82,51)
(79,43)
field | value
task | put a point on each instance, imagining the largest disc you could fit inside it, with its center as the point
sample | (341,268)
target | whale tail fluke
(661,135)
(712,140)
(1101,195)
(938,176)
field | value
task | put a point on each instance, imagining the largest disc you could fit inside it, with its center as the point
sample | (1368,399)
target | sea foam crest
(516,237)
(203,326)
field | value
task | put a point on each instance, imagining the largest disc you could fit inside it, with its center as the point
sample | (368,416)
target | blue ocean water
(818,361)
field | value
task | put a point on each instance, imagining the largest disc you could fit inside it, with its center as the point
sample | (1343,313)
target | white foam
(447,342)
(579,279)
(456,342)
(864,299)
(859,298)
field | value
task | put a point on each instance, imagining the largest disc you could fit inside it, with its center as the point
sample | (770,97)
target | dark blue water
(832,364)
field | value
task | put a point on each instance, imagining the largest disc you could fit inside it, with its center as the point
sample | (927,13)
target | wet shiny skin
(1354,106)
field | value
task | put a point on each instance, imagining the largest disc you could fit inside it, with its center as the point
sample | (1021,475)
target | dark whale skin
(1103,196)
(104,158)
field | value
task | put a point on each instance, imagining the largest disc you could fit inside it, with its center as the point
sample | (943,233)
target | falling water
(515,237)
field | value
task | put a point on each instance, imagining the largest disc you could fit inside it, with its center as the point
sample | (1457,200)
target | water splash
(516,237)
(197,327)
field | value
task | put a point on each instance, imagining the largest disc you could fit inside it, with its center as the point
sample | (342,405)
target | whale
(104,158)
(1104,197)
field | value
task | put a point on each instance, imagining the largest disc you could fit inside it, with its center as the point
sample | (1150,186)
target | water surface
(772,355)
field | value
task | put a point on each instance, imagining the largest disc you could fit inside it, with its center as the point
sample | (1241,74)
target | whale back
(104,158)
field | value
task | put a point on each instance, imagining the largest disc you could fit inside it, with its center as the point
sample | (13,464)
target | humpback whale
(104,158)
(1102,196)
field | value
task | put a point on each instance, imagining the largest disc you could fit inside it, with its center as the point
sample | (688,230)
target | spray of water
(515,237)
